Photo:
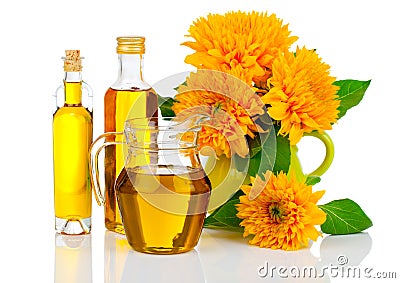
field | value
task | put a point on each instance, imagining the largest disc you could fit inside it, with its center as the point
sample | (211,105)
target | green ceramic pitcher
(295,165)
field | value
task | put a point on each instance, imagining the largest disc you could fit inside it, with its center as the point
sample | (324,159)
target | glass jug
(162,192)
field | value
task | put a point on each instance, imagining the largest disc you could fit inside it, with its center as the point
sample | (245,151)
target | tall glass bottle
(72,136)
(129,97)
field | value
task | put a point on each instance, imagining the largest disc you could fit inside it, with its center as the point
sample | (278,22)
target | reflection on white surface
(123,264)
(116,250)
(354,247)
(227,257)
(220,257)
(73,259)
(184,267)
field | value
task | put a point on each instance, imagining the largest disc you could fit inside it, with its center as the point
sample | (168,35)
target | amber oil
(129,97)
(121,105)
(163,212)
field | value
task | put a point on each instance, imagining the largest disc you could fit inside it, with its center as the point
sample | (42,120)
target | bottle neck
(73,88)
(130,72)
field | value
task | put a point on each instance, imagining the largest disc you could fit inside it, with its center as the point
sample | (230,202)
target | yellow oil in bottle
(163,213)
(119,106)
(72,136)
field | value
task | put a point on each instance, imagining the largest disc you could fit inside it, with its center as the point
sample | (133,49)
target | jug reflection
(73,259)
(116,249)
(122,264)
(158,268)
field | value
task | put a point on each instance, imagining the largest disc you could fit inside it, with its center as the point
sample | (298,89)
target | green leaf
(262,153)
(344,216)
(165,104)
(350,94)
(312,180)
(282,160)
(255,145)
(225,216)
(241,164)
(211,222)
(271,154)
(263,160)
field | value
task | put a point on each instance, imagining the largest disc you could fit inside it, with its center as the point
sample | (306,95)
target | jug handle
(329,153)
(94,163)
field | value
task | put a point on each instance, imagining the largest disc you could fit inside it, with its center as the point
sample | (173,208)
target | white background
(359,39)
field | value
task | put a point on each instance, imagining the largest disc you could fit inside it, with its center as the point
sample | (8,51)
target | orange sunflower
(283,215)
(302,95)
(238,43)
(231,104)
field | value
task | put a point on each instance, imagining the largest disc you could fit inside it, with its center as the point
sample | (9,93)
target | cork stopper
(130,45)
(72,61)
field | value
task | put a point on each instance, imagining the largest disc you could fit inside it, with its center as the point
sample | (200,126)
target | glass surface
(129,97)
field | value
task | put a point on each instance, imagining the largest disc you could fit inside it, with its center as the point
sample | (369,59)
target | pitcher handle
(329,152)
(94,163)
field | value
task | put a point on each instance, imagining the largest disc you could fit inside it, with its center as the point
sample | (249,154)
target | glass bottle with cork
(129,97)
(72,136)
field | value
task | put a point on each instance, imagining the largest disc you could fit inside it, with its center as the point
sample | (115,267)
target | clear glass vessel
(72,136)
(129,97)
(163,191)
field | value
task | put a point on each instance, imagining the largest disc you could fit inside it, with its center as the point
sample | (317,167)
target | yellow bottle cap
(130,45)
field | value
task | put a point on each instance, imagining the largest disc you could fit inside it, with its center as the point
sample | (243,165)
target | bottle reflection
(73,258)
(116,249)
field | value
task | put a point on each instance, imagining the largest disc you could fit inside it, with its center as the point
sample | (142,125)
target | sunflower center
(276,212)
